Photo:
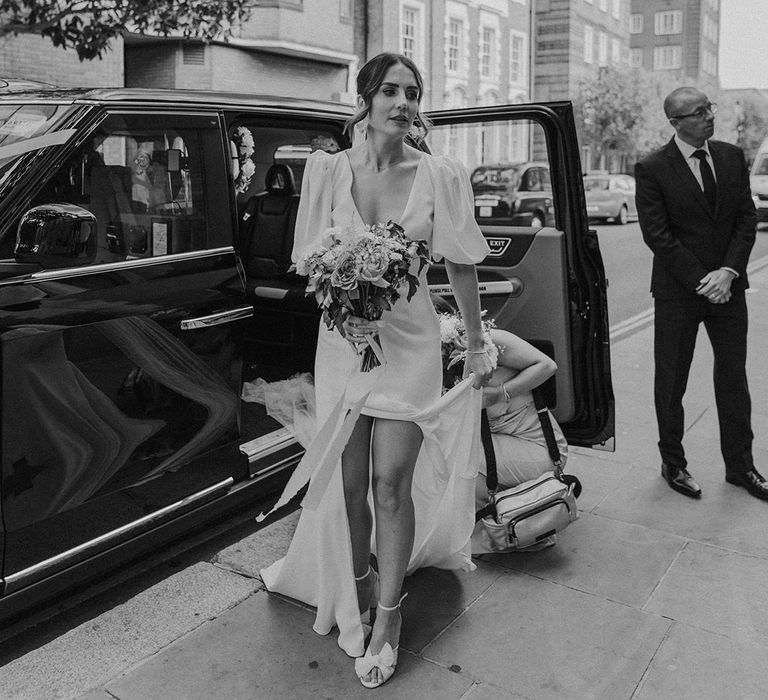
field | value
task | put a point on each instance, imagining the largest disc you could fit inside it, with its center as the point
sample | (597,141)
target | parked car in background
(515,194)
(758,181)
(145,242)
(610,197)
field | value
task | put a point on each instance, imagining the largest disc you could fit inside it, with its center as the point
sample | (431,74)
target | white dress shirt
(695,165)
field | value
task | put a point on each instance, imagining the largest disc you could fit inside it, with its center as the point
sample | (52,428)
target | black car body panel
(144,276)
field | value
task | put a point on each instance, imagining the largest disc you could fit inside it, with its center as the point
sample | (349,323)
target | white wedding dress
(318,566)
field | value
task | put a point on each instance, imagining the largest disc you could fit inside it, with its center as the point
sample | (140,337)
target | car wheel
(537,220)
(623,216)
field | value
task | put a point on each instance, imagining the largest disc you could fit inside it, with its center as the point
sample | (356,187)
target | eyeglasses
(700,113)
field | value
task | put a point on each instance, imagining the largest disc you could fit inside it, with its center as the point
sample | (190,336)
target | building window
(455,36)
(616,9)
(635,24)
(615,51)
(193,55)
(408,32)
(636,58)
(709,62)
(517,58)
(602,48)
(486,52)
(711,29)
(667,57)
(345,10)
(588,44)
(668,22)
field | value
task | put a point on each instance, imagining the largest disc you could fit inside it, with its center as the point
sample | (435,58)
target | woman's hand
(480,364)
(492,395)
(357,328)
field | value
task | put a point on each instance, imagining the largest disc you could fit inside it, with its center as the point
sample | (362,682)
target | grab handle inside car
(513,287)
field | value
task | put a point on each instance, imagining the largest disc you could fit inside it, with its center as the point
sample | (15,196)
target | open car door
(543,279)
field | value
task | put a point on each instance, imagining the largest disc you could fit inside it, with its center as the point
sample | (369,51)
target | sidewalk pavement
(649,595)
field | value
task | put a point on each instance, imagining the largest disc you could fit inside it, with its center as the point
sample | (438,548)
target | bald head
(677,100)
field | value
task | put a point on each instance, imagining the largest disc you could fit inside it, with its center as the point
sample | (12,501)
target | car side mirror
(55,236)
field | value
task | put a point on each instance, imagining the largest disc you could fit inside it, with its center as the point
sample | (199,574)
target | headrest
(280,180)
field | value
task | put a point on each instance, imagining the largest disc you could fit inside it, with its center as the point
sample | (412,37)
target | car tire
(537,220)
(623,216)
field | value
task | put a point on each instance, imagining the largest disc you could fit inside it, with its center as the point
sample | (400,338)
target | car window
(506,158)
(257,146)
(761,167)
(593,184)
(150,181)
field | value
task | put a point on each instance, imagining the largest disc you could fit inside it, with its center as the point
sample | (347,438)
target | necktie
(707,178)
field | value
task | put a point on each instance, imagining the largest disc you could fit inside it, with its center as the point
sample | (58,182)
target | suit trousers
(676,325)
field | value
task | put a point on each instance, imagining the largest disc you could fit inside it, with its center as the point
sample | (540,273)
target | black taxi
(145,240)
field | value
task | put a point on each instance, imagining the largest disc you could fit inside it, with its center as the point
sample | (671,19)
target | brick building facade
(32,57)
(677,38)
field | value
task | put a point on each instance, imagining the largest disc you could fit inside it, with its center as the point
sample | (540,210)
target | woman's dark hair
(369,80)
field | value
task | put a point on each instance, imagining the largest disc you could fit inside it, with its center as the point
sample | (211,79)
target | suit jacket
(688,240)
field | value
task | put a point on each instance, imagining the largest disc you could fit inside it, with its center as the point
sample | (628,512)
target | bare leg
(355,475)
(395,446)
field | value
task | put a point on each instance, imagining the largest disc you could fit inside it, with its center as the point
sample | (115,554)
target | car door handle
(218,318)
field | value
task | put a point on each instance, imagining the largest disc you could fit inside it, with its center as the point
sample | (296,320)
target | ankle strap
(394,607)
(365,575)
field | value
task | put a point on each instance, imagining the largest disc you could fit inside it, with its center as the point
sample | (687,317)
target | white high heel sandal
(385,661)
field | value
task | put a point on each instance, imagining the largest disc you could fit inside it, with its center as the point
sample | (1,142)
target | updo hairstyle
(369,80)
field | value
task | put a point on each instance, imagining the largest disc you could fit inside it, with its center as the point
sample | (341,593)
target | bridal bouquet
(453,346)
(360,272)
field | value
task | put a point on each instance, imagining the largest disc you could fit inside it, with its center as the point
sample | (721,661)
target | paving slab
(725,515)
(598,477)
(92,653)
(265,648)
(488,691)
(635,446)
(693,664)
(716,590)
(638,556)
(542,640)
(436,597)
(257,551)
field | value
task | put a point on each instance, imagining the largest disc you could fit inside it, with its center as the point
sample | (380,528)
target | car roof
(157,96)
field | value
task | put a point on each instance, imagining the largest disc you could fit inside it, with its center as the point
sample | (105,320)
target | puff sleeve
(455,233)
(314,213)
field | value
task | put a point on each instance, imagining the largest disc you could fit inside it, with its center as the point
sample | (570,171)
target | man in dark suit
(698,218)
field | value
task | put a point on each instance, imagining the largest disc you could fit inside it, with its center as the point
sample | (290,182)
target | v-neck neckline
(407,201)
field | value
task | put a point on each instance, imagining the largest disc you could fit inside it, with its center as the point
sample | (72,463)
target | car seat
(268,223)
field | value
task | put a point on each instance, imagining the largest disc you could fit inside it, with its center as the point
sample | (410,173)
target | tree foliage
(743,120)
(88,26)
(620,111)
(609,109)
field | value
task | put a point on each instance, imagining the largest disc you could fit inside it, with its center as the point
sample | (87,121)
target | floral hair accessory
(453,345)
(243,140)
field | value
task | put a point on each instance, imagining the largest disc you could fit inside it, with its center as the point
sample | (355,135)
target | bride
(379,422)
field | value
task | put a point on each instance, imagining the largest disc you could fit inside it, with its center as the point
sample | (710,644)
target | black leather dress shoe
(751,480)
(680,480)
